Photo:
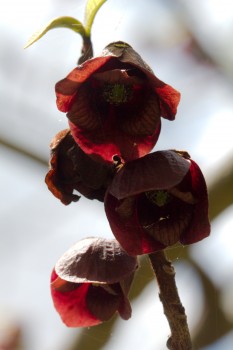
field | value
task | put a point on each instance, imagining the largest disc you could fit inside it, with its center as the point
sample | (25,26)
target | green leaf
(92,8)
(60,22)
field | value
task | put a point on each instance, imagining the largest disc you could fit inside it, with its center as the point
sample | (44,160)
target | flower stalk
(87,50)
(173,309)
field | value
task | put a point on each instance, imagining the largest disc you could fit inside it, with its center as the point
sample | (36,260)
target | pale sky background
(35,228)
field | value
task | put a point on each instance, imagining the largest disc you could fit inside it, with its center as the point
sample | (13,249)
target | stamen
(117,94)
(118,162)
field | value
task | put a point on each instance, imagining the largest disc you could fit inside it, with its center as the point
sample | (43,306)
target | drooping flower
(71,169)
(157,201)
(91,281)
(114,103)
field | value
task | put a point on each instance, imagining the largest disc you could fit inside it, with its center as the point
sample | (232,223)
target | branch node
(169,269)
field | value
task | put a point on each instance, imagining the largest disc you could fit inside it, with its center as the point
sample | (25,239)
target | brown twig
(173,309)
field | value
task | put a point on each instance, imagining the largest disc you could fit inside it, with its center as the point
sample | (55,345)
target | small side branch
(173,309)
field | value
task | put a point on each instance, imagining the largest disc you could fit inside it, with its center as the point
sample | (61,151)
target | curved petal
(95,260)
(110,142)
(103,304)
(67,88)
(71,306)
(55,179)
(169,100)
(158,170)
(199,227)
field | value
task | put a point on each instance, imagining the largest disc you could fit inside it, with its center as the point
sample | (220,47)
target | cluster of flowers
(114,104)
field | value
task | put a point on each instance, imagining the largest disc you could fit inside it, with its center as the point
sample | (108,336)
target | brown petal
(168,231)
(82,114)
(184,196)
(124,308)
(71,169)
(144,121)
(159,170)
(63,286)
(199,227)
(126,207)
(95,260)
(102,304)
(125,53)
(119,76)
(61,169)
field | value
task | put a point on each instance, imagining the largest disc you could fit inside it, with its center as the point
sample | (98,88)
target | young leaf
(60,22)
(92,8)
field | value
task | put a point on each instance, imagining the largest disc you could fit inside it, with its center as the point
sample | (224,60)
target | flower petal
(95,260)
(199,227)
(55,179)
(101,303)
(67,88)
(115,143)
(169,100)
(72,306)
(158,170)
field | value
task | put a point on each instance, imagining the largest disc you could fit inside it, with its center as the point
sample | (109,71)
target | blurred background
(188,44)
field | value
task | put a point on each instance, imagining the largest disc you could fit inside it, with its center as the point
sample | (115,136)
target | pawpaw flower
(157,201)
(71,169)
(91,281)
(114,104)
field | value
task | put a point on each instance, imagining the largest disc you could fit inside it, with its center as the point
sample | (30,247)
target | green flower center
(117,94)
(159,198)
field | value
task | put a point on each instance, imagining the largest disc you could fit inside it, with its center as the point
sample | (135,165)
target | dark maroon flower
(71,169)
(91,281)
(157,201)
(114,104)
